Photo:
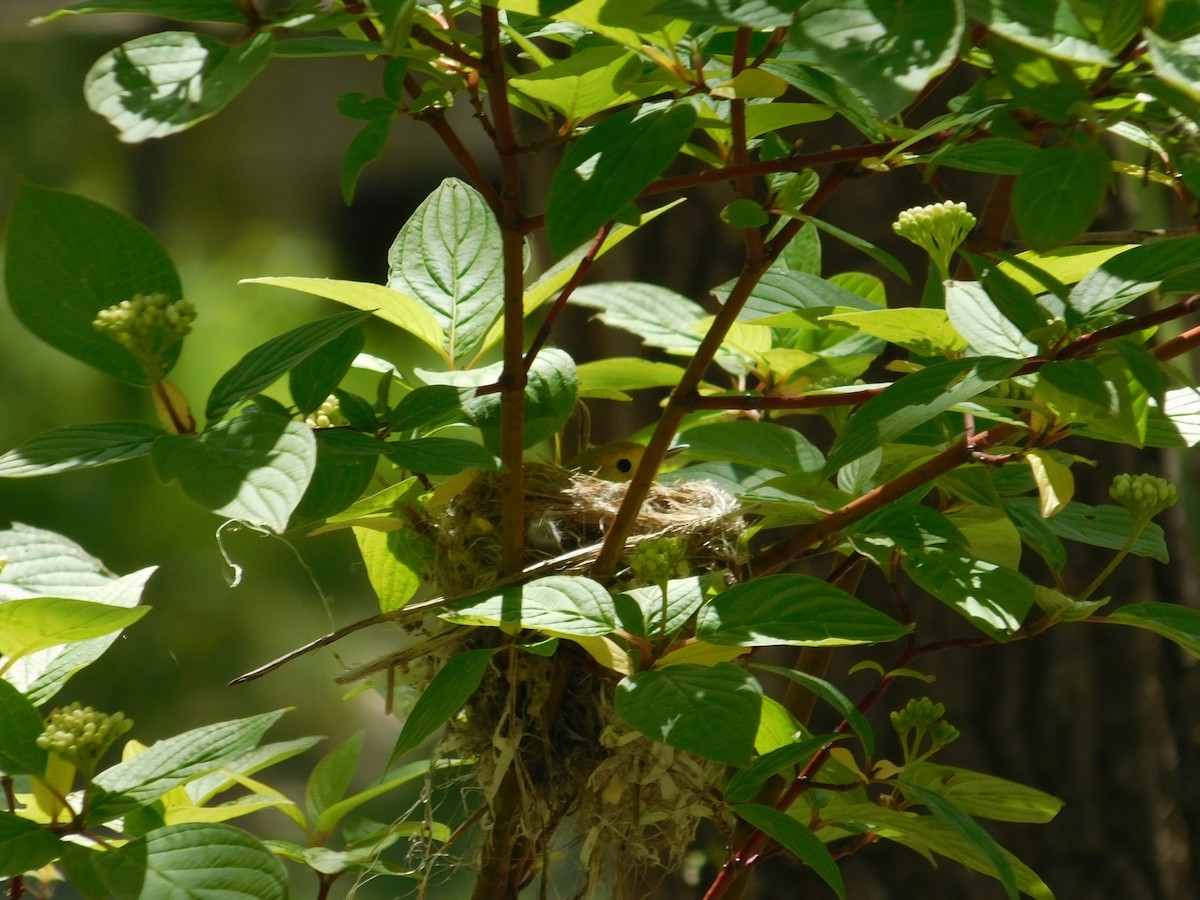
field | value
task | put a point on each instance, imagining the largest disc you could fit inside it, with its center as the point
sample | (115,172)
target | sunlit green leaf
(1059,193)
(797,838)
(78,447)
(453,686)
(1176,623)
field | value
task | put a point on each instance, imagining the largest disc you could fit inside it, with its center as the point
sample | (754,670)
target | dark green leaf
(792,609)
(886,51)
(365,147)
(194,859)
(1170,620)
(323,45)
(439,456)
(78,447)
(314,378)
(834,697)
(24,845)
(1075,389)
(453,686)
(267,362)
(1043,84)
(144,778)
(607,167)
(20,724)
(254,468)
(712,711)
(880,256)
(1101,526)
(180,10)
(1036,534)
(746,783)
(550,393)
(968,828)
(747,13)
(1014,300)
(993,598)
(759,444)
(914,400)
(448,255)
(1135,272)
(426,406)
(559,605)
(67,258)
(1059,193)
(992,156)
(780,292)
(164,83)
(798,839)
(1047,26)
(330,778)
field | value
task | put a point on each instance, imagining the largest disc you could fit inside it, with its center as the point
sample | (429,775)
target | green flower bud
(81,735)
(146,324)
(327,415)
(1145,496)
(658,560)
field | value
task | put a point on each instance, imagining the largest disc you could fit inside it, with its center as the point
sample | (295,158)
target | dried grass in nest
(569,513)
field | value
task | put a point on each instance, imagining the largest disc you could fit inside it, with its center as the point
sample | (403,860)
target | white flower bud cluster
(80,735)
(146,323)
(1146,495)
(327,415)
(939,229)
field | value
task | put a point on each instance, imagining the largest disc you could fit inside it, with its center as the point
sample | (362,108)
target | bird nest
(567,517)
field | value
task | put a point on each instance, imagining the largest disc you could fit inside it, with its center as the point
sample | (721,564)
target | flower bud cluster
(938,229)
(1143,495)
(920,718)
(327,415)
(81,735)
(658,560)
(146,323)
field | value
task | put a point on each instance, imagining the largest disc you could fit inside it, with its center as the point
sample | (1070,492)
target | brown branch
(751,237)
(447,49)
(1177,346)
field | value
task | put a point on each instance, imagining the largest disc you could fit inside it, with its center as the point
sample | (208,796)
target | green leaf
(392,306)
(254,468)
(329,819)
(330,778)
(56,296)
(1174,622)
(966,827)
(142,779)
(21,724)
(747,782)
(991,156)
(267,362)
(762,118)
(314,378)
(659,316)
(589,81)
(986,796)
(1125,276)
(1176,64)
(758,444)
(1059,193)
(1055,483)
(560,605)
(180,10)
(439,456)
(323,46)
(683,597)
(426,406)
(164,83)
(1051,27)
(925,332)
(792,609)
(711,711)
(914,400)
(888,52)
(609,166)
(834,697)
(450,688)
(78,447)
(194,860)
(880,256)
(338,479)
(985,326)
(748,13)
(203,789)
(1176,423)
(35,623)
(448,256)
(365,147)
(786,298)
(1101,526)
(928,835)
(610,378)
(993,598)
(795,837)
(25,846)
(550,394)
(1046,86)
(744,213)
(393,561)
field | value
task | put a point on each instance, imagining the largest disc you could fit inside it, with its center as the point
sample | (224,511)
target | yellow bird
(614,461)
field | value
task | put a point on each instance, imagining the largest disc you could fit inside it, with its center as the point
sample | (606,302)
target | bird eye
(625,464)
